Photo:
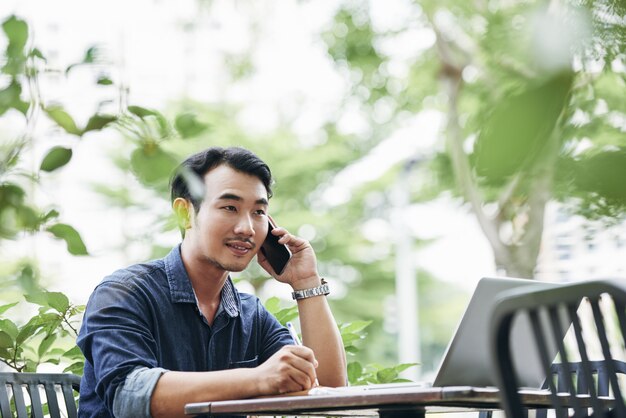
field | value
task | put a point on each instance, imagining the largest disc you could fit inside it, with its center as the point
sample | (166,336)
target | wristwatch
(309,293)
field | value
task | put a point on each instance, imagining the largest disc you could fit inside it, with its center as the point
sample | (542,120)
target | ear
(182,210)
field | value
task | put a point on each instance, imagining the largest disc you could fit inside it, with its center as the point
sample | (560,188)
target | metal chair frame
(14,386)
(553,303)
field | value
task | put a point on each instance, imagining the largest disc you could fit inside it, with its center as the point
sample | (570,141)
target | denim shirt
(144,320)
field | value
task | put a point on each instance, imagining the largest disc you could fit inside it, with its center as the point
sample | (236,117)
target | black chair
(600,380)
(595,351)
(17,388)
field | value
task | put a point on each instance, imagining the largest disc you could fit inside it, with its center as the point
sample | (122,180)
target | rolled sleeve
(132,398)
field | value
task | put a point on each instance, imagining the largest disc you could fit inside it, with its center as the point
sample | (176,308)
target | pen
(294,335)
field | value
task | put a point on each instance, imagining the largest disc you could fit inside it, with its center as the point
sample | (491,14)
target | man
(173,331)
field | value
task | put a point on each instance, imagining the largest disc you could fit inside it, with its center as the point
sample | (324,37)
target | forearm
(320,333)
(175,389)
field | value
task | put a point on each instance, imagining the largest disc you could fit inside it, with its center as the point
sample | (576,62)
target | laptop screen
(467,360)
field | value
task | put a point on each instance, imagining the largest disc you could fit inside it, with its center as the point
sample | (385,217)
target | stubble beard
(226,267)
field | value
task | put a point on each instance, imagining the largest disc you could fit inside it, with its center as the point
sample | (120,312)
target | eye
(230,208)
(259,212)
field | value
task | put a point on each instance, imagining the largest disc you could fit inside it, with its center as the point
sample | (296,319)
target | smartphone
(277,254)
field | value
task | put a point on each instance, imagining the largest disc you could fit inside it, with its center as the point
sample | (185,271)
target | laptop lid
(467,360)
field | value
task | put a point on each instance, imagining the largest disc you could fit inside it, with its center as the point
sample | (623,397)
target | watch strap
(321,290)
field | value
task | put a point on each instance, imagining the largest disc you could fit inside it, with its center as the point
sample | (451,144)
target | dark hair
(196,166)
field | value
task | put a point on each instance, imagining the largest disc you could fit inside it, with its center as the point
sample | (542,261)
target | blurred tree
(48,336)
(533,96)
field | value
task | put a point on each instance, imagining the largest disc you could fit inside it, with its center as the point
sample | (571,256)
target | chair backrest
(594,346)
(25,389)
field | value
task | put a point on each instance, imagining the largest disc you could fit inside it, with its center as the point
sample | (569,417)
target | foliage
(351,333)
(21,69)
(527,120)
(47,337)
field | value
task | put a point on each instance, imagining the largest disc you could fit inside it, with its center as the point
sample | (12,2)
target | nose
(244,226)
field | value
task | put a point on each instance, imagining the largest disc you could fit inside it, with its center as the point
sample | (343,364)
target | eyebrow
(231,196)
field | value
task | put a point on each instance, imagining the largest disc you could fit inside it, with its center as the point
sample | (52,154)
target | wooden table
(396,403)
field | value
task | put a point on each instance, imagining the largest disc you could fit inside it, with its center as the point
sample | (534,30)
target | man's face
(231,224)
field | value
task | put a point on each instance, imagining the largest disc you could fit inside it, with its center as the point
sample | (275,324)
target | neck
(206,278)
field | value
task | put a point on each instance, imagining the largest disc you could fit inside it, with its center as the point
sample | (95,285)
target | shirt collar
(181,290)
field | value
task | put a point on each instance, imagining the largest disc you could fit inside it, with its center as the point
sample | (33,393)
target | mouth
(240,248)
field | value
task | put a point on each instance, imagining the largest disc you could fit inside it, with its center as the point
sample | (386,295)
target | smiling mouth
(240,248)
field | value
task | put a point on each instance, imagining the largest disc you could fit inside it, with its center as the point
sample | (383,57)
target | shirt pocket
(245,363)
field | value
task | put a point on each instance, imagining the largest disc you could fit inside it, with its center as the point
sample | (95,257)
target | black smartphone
(277,254)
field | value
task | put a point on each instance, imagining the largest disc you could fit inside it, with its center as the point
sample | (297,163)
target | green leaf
(77,309)
(55,351)
(149,116)
(272,305)
(35,52)
(97,122)
(351,349)
(188,126)
(72,238)
(75,368)
(51,214)
(602,173)
(142,112)
(151,164)
(9,327)
(355,371)
(91,55)
(288,314)
(348,339)
(38,298)
(5,340)
(57,157)
(58,301)
(5,354)
(27,331)
(73,353)
(30,366)
(63,119)
(104,81)
(45,344)
(45,322)
(355,326)
(16,31)
(402,367)
(387,375)
(10,97)
(518,130)
(6,307)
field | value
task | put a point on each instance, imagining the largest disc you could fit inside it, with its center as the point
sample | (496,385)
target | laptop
(467,360)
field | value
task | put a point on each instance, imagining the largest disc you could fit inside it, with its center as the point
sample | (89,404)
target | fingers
(302,359)
(288,239)
(296,367)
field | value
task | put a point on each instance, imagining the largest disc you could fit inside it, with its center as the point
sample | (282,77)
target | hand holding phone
(277,254)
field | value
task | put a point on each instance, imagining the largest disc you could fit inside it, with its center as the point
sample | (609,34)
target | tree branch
(462,170)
